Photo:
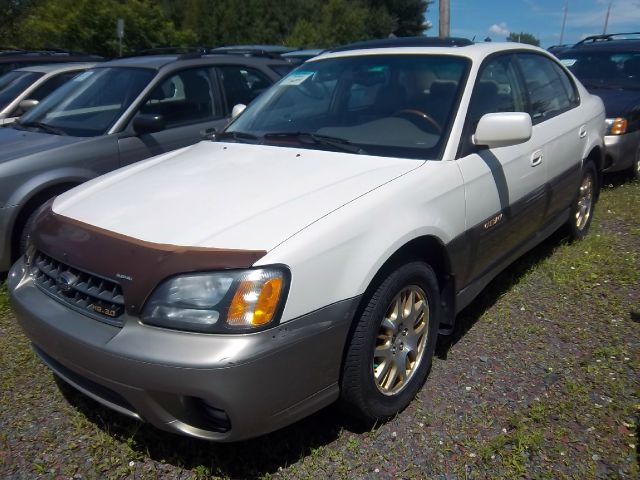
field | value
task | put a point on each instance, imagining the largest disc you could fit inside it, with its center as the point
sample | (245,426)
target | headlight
(218,302)
(616,126)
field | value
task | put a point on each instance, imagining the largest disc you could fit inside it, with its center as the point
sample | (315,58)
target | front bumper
(260,381)
(621,151)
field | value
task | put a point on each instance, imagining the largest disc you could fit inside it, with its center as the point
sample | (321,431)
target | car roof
(57,67)
(473,51)
(159,61)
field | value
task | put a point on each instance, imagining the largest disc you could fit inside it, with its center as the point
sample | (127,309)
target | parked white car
(24,88)
(318,247)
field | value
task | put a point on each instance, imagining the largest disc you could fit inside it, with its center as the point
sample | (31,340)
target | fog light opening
(217,419)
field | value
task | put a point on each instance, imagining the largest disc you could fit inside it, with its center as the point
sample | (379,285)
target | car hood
(16,143)
(618,102)
(227,195)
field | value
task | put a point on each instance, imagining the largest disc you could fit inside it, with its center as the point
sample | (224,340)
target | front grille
(94,296)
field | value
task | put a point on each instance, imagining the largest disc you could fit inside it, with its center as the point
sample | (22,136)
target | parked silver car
(24,88)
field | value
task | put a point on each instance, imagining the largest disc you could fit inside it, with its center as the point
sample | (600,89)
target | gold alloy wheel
(401,340)
(585,202)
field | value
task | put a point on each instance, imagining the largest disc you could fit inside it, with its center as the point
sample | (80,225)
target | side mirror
(147,123)
(237,110)
(25,105)
(503,129)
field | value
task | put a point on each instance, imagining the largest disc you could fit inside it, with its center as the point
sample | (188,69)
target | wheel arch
(597,156)
(32,201)
(433,251)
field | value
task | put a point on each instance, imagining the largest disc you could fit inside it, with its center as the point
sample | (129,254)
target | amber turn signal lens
(256,299)
(619,126)
(267,302)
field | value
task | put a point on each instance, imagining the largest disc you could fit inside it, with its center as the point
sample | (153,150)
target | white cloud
(499,29)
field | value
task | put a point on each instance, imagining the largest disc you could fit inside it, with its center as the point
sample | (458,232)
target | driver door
(189,102)
(504,187)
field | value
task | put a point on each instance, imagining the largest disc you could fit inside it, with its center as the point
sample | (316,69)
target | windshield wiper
(42,126)
(317,139)
(237,136)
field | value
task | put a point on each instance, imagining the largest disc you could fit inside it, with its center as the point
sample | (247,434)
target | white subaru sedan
(315,249)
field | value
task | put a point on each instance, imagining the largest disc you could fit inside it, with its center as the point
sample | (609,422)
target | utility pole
(606,19)
(444,18)
(564,21)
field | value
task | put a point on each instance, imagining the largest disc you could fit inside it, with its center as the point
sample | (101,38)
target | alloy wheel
(585,202)
(401,340)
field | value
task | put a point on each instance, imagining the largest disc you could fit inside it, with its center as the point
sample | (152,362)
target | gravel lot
(541,380)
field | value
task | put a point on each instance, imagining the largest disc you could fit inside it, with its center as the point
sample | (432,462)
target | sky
(542,18)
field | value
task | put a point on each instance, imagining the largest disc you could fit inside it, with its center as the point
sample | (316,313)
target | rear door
(553,105)
(190,102)
(504,187)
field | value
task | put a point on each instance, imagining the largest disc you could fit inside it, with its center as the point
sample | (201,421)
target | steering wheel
(428,118)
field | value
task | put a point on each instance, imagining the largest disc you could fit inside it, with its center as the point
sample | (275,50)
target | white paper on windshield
(296,78)
(568,62)
(82,76)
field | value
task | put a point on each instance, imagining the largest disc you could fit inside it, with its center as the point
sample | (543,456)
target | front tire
(391,348)
(583,206)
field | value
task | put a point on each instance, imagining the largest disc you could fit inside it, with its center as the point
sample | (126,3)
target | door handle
(536,158)
(583,131)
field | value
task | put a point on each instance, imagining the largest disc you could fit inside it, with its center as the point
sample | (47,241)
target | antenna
(564,21)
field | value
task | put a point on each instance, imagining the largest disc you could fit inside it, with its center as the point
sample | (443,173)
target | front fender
(338,256)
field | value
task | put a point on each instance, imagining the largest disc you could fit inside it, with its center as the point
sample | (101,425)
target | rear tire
(635,168)
(583,206)
(391,348)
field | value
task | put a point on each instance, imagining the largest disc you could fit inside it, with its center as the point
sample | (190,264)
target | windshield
(606,68)
(90,103)
(13,84)
(387,105)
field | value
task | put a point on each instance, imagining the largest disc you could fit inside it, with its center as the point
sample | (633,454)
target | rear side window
(548,95)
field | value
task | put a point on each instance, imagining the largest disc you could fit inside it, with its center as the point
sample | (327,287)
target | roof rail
(44,51)
(268,51)
(405,42)
(170,51)
(607,37)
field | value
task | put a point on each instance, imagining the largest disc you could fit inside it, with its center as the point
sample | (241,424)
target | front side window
(387,105)
(242,84)
(497,89)
(183,98)
(90,103)
(548,95)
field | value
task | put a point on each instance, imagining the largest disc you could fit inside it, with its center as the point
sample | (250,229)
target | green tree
(523,37)
(89,25)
